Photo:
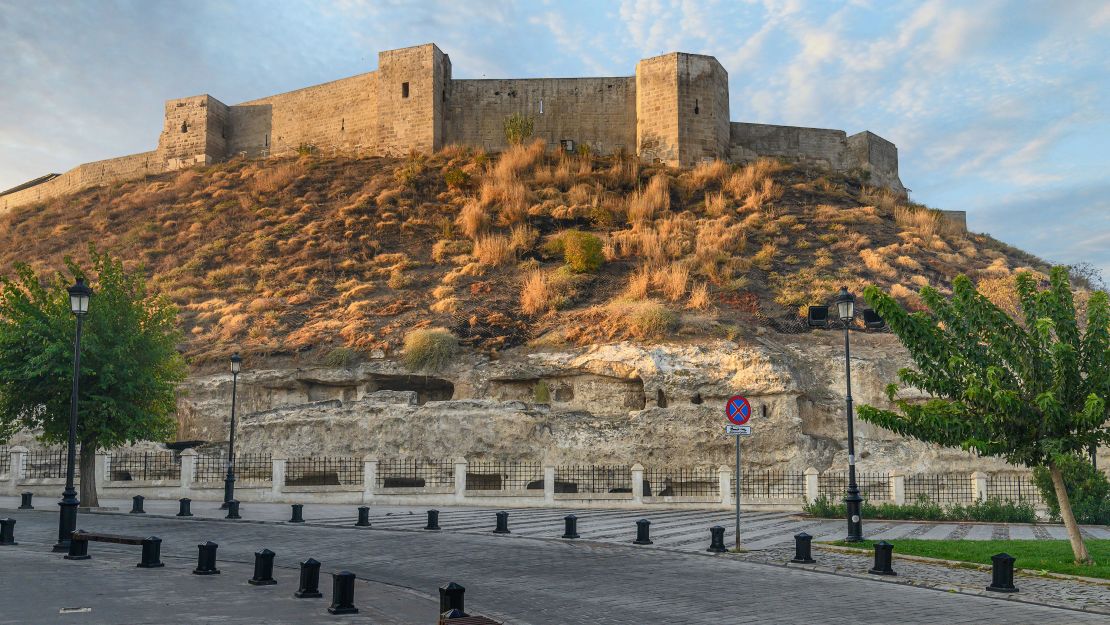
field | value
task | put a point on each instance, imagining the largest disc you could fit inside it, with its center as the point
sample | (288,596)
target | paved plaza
(527,577)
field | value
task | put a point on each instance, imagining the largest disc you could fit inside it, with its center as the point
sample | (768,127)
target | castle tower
(412,85)
(681,109)
(194,132)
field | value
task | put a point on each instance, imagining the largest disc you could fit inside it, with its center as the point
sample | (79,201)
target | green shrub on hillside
(582,251)
(429,349)
(456,178)
(992,510)
(518,128)
(341,357)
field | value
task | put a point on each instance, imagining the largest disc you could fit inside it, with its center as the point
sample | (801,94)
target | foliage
(1088,491)
(341,357)
(1031,555)
(130,367)
(519,128)
(456,178)
(306,149)
(541,393)
(1032,391)
(991,510)
(581,251)
(429,349)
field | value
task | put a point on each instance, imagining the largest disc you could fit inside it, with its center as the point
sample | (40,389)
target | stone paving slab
(526,581)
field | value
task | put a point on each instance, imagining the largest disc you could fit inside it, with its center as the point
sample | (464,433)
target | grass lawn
(1037,555)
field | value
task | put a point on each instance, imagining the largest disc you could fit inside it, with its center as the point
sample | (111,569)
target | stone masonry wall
(702,109)
(820,145)
(599,112)
(411,84)
(657,109)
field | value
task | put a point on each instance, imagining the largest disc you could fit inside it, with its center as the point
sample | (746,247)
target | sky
(1000,108)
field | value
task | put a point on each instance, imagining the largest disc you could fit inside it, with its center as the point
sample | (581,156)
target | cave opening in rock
(427,388)
(660,398)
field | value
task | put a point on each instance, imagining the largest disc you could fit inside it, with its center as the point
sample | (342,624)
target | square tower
(194,132)
(682,113)
(412,85)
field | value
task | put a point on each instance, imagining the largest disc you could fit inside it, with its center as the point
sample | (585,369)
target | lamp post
(79,296)
(846,310)
(229,481)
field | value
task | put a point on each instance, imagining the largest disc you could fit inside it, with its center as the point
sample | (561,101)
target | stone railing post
(277,483)
(460,478)
(369,477)
(898,487)
(19,464)
(549,484)
(979,486)
(724,484)
(638,483)
(100,466)
(188,471)
(813,486)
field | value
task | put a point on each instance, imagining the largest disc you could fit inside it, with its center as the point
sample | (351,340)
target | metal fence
(415,473)
(49,463)
(323,471)
(157,465)
(503,476)
(682,482)
(939,487)
(1013,487)
(248,468)
(593,479)
(5,461)
(770,484)
(872,486)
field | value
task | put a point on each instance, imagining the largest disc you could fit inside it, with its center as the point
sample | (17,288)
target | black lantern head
(79,296)
(236,363)
(846,305)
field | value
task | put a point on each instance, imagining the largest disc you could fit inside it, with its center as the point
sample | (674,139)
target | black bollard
(502,523)
(7,532)
(152,553)
(571,526)
(643,532)
(263,569)
(78,549)
(451,599)
(343,594)
(25,501)
(883,551)
(298,511)
(803,553)
(1002,573)
(137,505)
(309,587)
(433,520)
(233,509)
(363,517)
(206,559)
(184,507)
(717,540)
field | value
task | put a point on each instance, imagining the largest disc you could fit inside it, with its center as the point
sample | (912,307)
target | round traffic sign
(738,410)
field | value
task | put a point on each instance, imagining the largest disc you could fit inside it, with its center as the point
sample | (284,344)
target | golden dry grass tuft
(494,250)
(645,205)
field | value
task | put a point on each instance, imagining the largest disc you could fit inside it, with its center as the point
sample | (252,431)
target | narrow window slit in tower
(184,127)
(404,90)
(695,106)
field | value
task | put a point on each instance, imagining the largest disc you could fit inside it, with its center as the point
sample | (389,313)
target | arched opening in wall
(696,399)
(404,90)
(427,388)
(660,398)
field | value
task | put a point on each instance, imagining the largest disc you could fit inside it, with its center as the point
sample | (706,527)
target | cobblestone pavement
(684,530)
(514,578)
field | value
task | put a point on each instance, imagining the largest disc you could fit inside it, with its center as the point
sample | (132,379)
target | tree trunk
(1078,548)
(88,475)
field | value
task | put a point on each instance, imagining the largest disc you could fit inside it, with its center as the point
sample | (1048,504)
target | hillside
(328,258)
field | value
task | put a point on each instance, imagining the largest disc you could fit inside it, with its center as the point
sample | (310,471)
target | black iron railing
(504,476)
(1016,487)
(323,471)
(157,465)
(758,484)
(49,463)
(939,487)
(415,473)
(872,486)
(682,482)
(248,468)
(593,479)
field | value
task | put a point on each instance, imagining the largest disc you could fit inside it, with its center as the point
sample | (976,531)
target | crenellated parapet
(674,110)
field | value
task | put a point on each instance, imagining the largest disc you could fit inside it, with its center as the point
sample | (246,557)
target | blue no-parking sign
(738,410)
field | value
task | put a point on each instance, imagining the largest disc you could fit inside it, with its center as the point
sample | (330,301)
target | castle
(674,110)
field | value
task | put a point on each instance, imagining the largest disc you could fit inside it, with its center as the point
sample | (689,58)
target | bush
(541,393)
(582,251)
(429,349)
(456,178)
(1088,491)
(518,128)
(992,510)
(341,357)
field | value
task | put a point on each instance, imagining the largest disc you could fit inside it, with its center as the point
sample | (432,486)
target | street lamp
(79,296)
(846,310)
(229,481)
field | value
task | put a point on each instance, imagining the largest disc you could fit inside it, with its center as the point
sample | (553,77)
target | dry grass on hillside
(312,254)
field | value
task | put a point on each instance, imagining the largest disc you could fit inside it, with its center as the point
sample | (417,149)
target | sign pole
(737,493)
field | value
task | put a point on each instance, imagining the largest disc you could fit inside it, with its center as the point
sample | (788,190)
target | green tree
(1030,390)
(130,367)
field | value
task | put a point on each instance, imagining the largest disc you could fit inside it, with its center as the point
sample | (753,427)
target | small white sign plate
(738,430)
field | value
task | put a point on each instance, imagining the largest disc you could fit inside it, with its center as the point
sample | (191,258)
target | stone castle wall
(675,110)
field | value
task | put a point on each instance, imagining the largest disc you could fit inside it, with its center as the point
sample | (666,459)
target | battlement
(674,110)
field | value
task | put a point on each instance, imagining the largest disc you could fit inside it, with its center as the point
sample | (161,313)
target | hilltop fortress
(674,110)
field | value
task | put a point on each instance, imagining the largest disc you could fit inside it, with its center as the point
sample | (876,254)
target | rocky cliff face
(619,403)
